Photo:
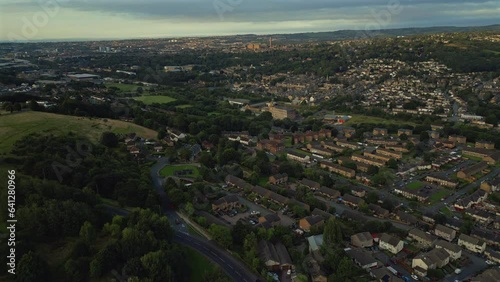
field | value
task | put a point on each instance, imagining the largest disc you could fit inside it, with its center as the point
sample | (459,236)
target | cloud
(163,18)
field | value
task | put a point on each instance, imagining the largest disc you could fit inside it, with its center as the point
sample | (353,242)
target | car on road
(414,277)
(489,262)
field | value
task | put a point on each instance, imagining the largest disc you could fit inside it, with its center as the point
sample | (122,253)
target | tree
(403,137)
(189,209)
(33,105)
(162,134)
(76,269)
(372,197)
(239,232)
(185,154)
(8,107)
(333,232)
(392,163)
(222,235)
(372,170)
(424,136)
(154,264)
(87,232)
(32,268)
(17,107)
(109,139)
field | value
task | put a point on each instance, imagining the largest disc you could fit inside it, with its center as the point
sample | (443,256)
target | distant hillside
(356,34)
(17,125)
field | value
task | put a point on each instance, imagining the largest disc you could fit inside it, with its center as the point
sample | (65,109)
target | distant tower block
(270,42)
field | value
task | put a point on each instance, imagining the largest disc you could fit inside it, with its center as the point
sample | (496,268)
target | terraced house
(421,237)
(441,180)
(472,170)
(390,153)
(445,232)
(367,160)
(344,171)
(329,193)
(299,157)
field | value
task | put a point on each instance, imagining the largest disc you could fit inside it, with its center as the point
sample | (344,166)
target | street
(233,267)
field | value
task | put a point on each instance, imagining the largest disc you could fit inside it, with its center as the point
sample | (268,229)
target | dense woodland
(69,212)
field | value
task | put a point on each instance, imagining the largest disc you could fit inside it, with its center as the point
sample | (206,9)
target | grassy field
(377,120)
(436,197)
(184,106)
(123,86)
(149,100)
(415,185)
(446,211)
(199,265)
(17,125)
(169,170)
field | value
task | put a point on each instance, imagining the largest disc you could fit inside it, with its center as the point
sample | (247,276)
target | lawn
(17,125)
(415,185)
(355,119)
(199,265)
(263,181)
(123,86)
(436,197)
(446,211)
(169,170)
(156,99)
(184,106)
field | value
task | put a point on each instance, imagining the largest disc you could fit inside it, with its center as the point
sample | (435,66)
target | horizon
(237,34)
(92,20)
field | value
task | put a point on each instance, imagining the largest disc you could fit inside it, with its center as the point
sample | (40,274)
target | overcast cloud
(51,19)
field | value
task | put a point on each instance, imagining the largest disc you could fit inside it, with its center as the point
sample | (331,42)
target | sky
(22,20)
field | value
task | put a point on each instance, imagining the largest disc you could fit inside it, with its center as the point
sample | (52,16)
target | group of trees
(75,161)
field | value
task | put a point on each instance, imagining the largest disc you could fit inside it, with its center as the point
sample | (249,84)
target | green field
(415,185)
(149,100)
(436,197)
(17,125)
(124,87)
(183,106)
(446,211)
(169,170)
(355,119)
(199,265)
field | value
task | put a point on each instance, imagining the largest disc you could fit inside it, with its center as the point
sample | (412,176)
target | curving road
(233,267)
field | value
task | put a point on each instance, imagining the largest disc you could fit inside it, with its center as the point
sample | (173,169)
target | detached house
(362,240)
(226,203)
(390,243)
(454,250)
(278,179)
(311,221)
(275,257)
(436,258)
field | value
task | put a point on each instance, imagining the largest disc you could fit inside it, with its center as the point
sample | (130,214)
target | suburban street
(233,267)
